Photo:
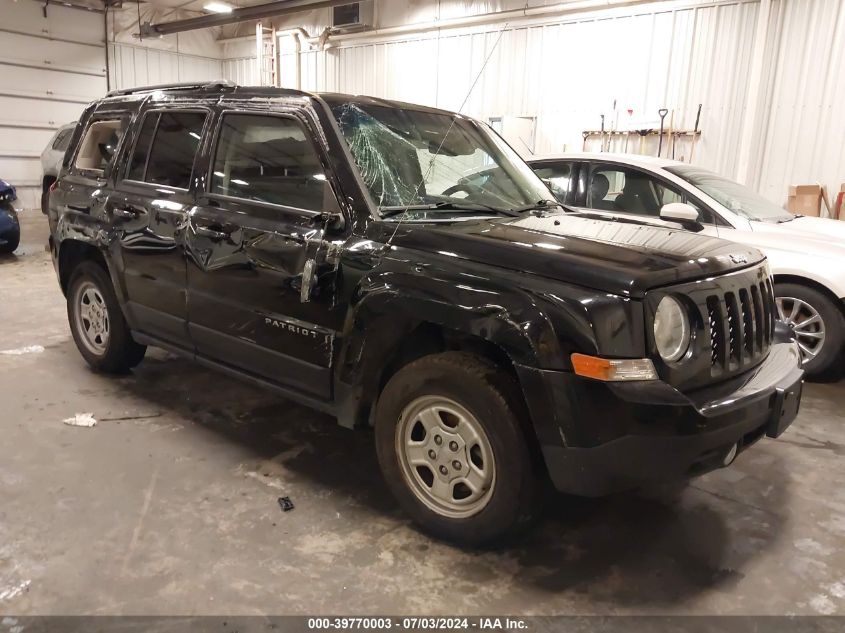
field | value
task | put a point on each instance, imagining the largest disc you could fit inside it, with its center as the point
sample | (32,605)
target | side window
(667,194)
(614,188)
(99,144)
(558,176)
(268,159)
(175,143)
(62,140)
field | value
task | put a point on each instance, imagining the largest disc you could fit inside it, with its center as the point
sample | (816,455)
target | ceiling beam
(244,14)
(68,4)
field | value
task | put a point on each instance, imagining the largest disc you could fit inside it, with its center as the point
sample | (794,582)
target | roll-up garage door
(50,68)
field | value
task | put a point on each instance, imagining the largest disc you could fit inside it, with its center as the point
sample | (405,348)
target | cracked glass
(423,160)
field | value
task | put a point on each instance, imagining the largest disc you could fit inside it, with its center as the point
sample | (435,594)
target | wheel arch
(47,181)
(385,333)
(72,253)
(815,285)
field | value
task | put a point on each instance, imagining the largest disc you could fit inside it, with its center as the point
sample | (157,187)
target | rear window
(165,148)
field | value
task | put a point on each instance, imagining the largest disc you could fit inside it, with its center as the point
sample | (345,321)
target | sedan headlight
(671,329)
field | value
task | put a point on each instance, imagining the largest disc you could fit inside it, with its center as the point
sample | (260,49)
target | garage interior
(169,505)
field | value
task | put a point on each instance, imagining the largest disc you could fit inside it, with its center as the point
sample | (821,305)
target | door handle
(214,234)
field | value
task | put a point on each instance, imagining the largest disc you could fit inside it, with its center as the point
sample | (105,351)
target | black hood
(625,258)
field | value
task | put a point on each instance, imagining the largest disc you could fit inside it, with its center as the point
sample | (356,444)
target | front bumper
(599,437)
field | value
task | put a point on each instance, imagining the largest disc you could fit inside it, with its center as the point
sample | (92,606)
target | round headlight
(671,329)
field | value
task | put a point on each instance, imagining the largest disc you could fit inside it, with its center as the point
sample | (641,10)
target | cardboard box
(804,199)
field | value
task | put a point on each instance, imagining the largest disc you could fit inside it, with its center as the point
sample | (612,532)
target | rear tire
(13,239)
(45,194)
(820,340)
(452,449)
(12,243)
(97,324)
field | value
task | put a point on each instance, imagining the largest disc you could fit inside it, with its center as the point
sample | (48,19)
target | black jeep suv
(326,247)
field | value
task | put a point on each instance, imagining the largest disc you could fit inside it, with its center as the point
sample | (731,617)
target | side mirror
(684,214)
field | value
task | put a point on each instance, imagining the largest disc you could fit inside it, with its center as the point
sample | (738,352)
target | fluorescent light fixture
(218,7)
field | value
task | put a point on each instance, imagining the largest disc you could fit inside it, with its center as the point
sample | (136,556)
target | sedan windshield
(423,161)
(732,195)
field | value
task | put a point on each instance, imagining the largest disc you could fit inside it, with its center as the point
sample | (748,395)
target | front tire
(452,449)
(97,324)
(817,322)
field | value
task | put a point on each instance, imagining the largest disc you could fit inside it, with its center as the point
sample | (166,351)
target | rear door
(250,239)
(149,207)
(84,189)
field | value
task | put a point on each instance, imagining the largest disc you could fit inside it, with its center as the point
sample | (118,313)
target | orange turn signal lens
(613,369)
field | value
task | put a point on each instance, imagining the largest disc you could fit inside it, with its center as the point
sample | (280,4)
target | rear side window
(165,149)
(62,140)
(268,159)
(99,144)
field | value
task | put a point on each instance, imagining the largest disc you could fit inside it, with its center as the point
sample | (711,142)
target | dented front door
(249,253)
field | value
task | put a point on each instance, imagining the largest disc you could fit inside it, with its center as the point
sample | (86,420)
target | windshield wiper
(387,212)
(542,205)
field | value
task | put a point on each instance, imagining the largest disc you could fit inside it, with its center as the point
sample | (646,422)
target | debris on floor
(140,416)
(285,504)
(14,591)
(20,351)
(81,419)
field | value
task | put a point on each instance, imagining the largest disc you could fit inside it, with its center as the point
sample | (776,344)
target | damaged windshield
(427,163)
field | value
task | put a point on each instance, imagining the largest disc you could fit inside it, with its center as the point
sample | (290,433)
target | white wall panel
(241,70)
(133,66)
(51,67)
(804,137)
(568,69)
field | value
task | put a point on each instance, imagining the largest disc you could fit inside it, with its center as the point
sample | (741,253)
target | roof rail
(189,85)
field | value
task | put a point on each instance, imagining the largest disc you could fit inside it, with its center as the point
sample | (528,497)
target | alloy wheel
(806,323)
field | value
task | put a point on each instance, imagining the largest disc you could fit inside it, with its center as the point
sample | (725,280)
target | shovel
(662,112)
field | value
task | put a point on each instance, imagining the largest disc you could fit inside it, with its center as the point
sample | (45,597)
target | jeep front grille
(741,326)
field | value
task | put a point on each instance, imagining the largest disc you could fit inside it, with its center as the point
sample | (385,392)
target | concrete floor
(168,505)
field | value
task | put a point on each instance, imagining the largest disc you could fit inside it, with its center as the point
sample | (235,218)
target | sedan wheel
(807,324)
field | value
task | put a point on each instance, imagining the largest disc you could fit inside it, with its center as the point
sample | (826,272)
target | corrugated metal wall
(569,72)
(242,70)
(804,108)
(132,66)
(566,71)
